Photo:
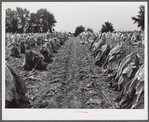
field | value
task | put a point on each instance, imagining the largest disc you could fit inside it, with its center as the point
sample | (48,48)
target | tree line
(22,21)
(108,27)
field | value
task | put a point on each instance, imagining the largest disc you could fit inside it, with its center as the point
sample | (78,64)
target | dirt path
(73,81)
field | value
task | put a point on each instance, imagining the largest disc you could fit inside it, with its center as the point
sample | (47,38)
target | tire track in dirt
(72,78)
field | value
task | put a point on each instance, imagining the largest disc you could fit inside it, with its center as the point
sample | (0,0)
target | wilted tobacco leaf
(114,57)
(139,106)
(114,65)
(105,47)
(139,75)
(103,50)
(132,92)
(126,75)
(129,69)
(111,58)
(101,57)
(8,94)
(98,55)
(15,88)
(115,50)
(138,102)
(124,63)
(140,87)
(99,43)
(118,56)
(122,79)
(123,92)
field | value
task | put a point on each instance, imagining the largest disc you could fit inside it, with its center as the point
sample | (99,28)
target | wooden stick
(108,100)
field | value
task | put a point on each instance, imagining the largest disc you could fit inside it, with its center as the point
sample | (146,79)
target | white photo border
(76,114)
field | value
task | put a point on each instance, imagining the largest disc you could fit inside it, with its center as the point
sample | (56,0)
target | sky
(69,15)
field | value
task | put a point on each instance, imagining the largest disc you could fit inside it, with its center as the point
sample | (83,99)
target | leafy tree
(45,19)
(34,26)
(107,27)
(90,29)
(11,21)
(23,17)
(79,29)
(21,21)
(140,18)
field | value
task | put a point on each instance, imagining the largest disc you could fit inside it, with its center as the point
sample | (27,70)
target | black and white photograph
(74,61)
